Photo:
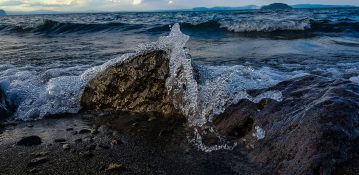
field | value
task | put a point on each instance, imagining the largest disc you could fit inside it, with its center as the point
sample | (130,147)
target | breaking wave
(237,26)
(54,27)
(37,95)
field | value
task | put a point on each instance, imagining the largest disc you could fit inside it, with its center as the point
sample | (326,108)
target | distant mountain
(276,6)
(2,13)
(249,7)
(305,6)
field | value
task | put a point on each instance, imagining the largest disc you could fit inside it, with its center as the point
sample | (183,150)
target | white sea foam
(266,25)
(55,91)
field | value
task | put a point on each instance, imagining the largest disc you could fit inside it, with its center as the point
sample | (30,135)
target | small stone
(40,154)
(69,129)
(151,119)
(90,147)
(66,147)
(78,140)
(116,142)
(103,146)
(94,132)
(37,161)
(30,125)
(114,167)
(87,154)
(33,170)
(74,132)
(29,141)
(84,131)
(60,140)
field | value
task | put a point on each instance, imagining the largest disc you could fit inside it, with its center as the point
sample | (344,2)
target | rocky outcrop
(276,6)
(138,84)
(2,13)
(312,131)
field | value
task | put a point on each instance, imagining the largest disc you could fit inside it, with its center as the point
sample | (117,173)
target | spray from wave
(209,89)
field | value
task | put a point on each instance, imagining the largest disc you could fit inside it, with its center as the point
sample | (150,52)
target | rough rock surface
(137,84)
(312,131)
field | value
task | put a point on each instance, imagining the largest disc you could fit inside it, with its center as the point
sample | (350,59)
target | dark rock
(104,146)
(33,170)
(90,147)
(78,140)
(137,84)
(66,147)
(40,154)
(116,142)
(37,161)
(30,125)
(84,131)
(60,140)
(114,167)
(276,6)
(29,141)
(312,131)
(69,129)
(74,132)
(95,132)
(87,154)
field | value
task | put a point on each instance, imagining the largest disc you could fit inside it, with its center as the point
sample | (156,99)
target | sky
(144,5)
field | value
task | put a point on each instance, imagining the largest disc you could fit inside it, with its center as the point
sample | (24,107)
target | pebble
(69,129)
(90,147)
(33,170)
(30,125)
(151,119)
(84,131)
(94,132)
(66,147)
(104,146)
(116,142)
(60,140)
(114,167)
(78,140)
(37,161)
(40,154)
(86,154)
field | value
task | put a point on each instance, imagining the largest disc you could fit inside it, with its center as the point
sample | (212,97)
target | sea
(46,60)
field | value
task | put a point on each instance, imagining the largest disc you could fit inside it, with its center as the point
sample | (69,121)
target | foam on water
(265,25)
(53,92)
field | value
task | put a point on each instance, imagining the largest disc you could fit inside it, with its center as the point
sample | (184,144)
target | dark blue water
(38,50)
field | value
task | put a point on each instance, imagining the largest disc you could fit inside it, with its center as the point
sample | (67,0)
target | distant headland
(276,6)
(2,13)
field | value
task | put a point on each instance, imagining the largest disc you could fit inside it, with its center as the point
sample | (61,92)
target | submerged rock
(138,85)
(312,131)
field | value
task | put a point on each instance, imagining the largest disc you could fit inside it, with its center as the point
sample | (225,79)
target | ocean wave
(36,95)
(268,26)
(54,27)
